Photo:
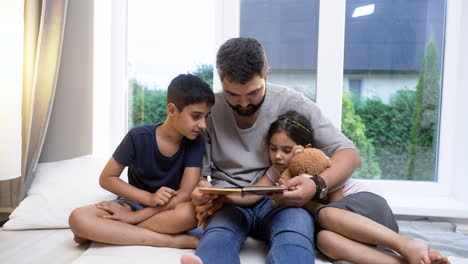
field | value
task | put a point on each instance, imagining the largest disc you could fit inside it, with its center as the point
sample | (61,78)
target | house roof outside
(392,38)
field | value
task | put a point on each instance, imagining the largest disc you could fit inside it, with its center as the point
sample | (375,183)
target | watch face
(323,193)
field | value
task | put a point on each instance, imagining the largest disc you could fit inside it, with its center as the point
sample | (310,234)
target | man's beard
(250,110)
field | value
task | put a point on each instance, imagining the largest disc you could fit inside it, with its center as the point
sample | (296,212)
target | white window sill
(427,206)
(434,208)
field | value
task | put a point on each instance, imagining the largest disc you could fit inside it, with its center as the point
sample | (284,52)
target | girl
(354,220)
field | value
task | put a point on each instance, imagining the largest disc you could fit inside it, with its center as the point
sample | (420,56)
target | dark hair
(241,59)
(187,89)
(295,125)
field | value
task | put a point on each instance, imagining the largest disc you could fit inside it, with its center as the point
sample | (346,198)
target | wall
(70,128)
(383,85)
(302,81)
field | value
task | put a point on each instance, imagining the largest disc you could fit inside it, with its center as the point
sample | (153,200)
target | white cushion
(58,188)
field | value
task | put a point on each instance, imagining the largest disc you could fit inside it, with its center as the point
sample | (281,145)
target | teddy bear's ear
(297,149)
(309,146)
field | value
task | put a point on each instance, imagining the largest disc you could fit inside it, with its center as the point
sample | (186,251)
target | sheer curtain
(44,24)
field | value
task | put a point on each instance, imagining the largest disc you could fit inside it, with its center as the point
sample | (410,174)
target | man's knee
(228,218)
(295,220)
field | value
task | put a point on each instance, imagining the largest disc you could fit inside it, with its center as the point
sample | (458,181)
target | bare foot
(184,241)
(415,251)
(437,258)
(81,240)
(190,259)
(419,252)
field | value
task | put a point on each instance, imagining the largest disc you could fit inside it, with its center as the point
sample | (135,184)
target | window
(288,31)
(399,47)
(165,39)
(437,198)
(355,87)
(446,197)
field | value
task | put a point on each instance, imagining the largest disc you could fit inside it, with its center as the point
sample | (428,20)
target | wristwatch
(322,189)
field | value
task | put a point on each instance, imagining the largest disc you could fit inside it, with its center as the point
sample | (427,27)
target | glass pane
(392,86)
(288,30)
(165,39)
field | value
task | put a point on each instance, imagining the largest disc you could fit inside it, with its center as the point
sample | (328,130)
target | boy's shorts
(133,205)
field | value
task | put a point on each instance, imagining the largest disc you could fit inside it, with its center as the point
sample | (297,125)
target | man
(236,155)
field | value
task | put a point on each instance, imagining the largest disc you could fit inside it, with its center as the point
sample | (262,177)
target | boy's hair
(241,59)
(187,89)
(295,125)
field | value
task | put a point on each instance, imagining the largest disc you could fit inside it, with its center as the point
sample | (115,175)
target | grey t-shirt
(239,157)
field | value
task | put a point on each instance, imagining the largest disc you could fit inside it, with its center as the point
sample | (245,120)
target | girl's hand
(119,212)
(162,196)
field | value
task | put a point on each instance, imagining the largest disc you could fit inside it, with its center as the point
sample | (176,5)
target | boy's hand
(122,212)
(162,196)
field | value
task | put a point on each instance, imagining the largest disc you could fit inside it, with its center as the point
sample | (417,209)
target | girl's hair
(295,125)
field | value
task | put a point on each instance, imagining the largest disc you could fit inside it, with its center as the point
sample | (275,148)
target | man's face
(245,99)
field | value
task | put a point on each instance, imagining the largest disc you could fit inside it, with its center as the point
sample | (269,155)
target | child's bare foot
(419,252)
(190,259)
(415,251)
(81,240)
(184,241)
(437,258)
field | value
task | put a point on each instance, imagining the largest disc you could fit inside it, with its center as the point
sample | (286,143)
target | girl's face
(280,150)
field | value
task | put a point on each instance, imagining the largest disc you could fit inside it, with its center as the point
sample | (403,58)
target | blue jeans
(288,231)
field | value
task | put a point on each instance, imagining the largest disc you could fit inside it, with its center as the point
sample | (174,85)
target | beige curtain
(44,24)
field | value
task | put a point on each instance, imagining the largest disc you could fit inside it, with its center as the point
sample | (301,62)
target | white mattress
(39,246)
(57,246)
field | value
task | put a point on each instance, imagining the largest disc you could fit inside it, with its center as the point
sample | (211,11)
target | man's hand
(122,213)
(162,196)
(203,202)
(300,191)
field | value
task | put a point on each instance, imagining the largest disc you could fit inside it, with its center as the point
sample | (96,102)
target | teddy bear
(307,160)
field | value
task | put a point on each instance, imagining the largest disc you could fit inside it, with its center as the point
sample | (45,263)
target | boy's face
(192,120)
(245,99)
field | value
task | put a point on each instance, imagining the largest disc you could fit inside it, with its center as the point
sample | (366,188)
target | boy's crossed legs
(162,230)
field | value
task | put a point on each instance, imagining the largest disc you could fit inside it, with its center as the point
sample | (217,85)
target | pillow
(57,189)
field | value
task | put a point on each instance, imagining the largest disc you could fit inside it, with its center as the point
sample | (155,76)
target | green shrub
(388,127)
(148,106)
(353,127)
(423,135)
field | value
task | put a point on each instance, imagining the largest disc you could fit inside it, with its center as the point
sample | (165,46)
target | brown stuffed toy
(307,160)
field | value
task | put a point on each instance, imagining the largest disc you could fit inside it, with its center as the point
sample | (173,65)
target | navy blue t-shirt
(148,169)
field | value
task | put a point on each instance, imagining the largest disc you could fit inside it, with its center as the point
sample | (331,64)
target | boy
(164,163)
